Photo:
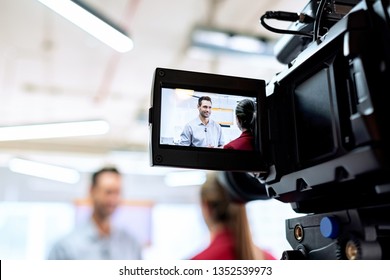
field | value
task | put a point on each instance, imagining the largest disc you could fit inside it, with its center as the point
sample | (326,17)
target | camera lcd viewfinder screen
(202,119)
(207,121)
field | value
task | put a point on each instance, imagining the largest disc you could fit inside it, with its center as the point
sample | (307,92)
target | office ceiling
(52,71)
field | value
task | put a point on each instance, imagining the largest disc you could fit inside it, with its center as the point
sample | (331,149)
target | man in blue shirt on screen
(202,131)
(98,238)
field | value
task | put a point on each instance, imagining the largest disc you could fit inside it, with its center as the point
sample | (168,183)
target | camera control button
(329,227)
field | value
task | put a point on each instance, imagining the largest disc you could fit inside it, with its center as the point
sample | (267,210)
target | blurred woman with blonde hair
(228,225)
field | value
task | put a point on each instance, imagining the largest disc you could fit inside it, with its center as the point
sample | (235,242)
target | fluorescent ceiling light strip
(91,24)
(219,40)
(210,37)
(246,44)
(46,171)
(53,130)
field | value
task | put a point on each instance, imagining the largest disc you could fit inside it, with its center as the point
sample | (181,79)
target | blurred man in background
(98,238)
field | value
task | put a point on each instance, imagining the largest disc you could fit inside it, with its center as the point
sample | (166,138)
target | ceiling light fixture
(90,21)
(226,41)
(43,170)
(53,130)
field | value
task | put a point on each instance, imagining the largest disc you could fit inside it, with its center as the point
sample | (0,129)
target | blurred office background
(51,71)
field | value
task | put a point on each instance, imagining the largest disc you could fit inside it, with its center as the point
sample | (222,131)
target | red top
(268,256)
(221,248)
(244,142)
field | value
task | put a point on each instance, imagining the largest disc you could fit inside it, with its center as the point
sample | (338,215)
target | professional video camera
(321,144)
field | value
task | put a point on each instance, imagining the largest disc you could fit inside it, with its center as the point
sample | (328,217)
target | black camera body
(327,118)
(324,143)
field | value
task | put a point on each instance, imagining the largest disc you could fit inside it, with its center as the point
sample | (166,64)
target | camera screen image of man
(202,131)
(98,238)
